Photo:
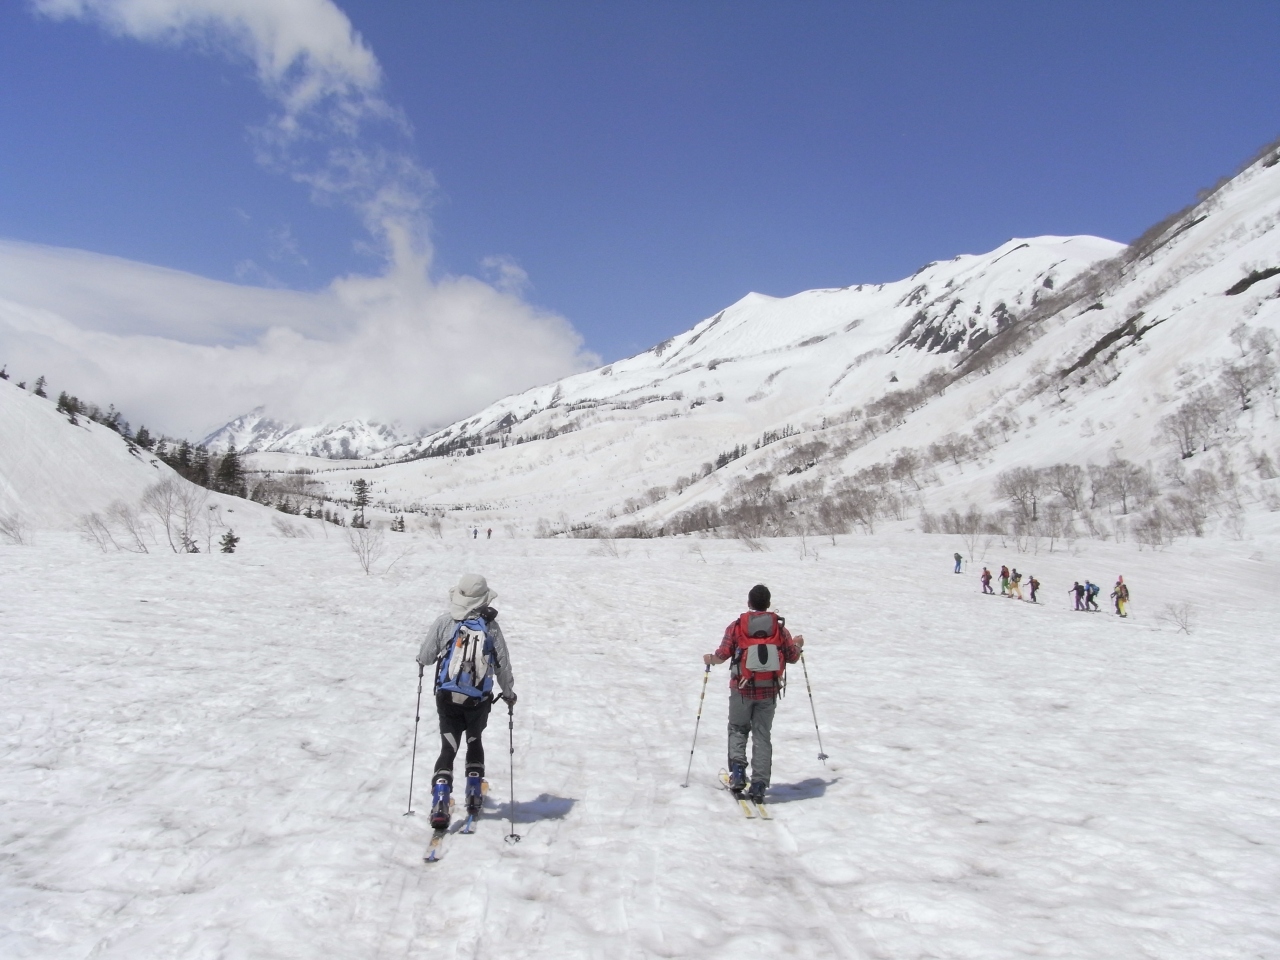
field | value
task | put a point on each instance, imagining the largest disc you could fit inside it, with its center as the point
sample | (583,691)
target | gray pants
(754,717)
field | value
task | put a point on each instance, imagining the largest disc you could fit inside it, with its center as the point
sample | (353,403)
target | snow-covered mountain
(61,472)
(256,432)
(1048,350)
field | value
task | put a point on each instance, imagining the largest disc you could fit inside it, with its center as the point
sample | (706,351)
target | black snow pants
(457,721)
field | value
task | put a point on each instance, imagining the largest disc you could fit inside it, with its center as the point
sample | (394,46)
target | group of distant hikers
(466,651)
(1086,594)
(1010,584)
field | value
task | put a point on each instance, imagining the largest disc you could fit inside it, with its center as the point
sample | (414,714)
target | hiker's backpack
(467,663)
(1092,589)
(1122,591)
(759,662)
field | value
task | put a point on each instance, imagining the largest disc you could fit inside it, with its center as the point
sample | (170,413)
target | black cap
(759,597)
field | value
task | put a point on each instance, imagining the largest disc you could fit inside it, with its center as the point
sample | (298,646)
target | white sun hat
(471,593)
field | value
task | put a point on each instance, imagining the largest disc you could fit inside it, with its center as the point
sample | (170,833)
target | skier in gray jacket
(462,716)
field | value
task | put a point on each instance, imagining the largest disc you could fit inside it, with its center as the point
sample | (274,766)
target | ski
(433,849)
(469,824)
(763,811)
(743,803)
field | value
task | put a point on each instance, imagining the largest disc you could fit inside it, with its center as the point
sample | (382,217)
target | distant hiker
(986,581)
(958,561)
(488,534)
(475,533)
(1079,592)
(760,648)
(1015,584)
(1121,596)
(467,650)
(1091,591)
(1004,581)
(1034,584)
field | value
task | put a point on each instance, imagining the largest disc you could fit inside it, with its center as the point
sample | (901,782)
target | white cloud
(506,274)
(184,354)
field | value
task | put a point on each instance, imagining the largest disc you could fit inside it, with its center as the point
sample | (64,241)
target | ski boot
(756,793)
(474,792)
(737,777)
(440,803)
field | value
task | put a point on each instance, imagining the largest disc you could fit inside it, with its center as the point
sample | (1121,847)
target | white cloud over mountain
(184,353)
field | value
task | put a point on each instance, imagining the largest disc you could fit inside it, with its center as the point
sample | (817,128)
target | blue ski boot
(474,794)
(737,777)
(440,803)
(756,793)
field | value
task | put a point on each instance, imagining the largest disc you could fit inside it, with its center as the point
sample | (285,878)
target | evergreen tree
(182,462)
(143,439)
(4,372)
(230,478)
(200,465)
(40,382)
(68,405)
(229,541)
(360,492)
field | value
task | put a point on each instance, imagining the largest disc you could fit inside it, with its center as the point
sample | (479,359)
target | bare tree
(367,544)
(14,529)
(94,530)
(1180,615)
(1023,487)
(130,523)
(161,501)
(1067,481)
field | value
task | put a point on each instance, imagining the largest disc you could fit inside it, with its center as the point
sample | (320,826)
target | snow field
(207,756)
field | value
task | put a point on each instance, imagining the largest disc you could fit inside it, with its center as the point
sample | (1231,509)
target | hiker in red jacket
(760,647)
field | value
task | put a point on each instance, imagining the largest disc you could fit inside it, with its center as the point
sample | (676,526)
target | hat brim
(460,605)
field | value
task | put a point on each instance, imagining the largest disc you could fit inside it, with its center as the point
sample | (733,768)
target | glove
(509,698)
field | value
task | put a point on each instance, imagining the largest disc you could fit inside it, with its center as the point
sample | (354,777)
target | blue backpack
(467,663)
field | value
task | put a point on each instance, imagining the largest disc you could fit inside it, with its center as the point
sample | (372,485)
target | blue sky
(644,164)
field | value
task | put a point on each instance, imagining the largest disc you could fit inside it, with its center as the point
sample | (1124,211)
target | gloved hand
(509,698)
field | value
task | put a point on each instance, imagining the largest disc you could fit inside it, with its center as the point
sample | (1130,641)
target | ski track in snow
(207,756)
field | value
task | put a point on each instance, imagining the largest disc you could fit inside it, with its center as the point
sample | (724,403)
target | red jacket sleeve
(730,642)
(789,649)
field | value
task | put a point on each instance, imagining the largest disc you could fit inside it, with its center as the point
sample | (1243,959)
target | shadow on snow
(804,790)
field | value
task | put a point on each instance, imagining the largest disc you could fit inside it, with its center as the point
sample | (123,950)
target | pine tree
(39,390)
(230,478)
(4,372)
(143,439)
(229,541)
(360,490)
(200,465)
(68,405)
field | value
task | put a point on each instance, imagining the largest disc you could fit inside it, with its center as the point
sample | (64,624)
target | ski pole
(697,723)
(512,837)
(821,753)
(413,758)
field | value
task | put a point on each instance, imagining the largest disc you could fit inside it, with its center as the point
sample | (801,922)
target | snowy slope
(587,444)
(209,756)
(349,440)
(51,472)
(1051,350)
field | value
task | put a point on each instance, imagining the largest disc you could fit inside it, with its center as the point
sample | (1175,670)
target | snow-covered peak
(355,439)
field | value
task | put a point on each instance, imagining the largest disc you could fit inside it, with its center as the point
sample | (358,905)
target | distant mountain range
(255,432)
(1046,350)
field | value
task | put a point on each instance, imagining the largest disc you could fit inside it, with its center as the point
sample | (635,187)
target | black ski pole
(697,723)
(821,753)
(413,759)
(512,837)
